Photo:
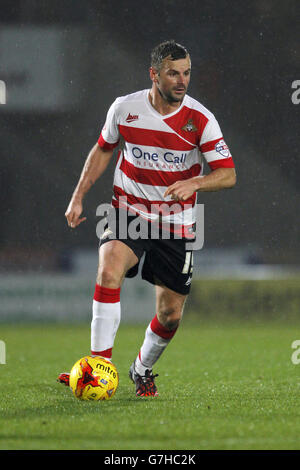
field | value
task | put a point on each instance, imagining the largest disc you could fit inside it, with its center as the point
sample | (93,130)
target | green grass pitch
(230,386)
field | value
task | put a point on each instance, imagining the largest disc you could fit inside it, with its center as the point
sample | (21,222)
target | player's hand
(181,190)
(73,214)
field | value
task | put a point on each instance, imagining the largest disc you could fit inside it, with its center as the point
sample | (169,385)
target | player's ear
(153,74)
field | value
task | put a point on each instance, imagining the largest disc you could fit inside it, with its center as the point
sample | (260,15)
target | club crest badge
(189,127)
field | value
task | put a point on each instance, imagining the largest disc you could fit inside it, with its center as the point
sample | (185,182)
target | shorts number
(188,264)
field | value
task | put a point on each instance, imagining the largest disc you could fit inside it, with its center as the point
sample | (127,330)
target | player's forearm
(221,178)
(94,167)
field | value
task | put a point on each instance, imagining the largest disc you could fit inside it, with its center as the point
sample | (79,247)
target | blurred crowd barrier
(226,284)
(66,297)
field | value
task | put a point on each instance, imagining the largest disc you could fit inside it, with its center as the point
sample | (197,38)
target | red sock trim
(107,295)
(106,353)
(161,330)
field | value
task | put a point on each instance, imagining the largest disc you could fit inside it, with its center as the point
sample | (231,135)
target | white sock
(157,337)
(106,320)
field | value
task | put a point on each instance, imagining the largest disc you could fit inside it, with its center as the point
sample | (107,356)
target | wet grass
(229,386)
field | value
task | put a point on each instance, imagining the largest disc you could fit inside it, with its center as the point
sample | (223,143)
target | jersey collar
(156,113)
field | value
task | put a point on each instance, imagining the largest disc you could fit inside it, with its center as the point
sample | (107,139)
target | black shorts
(166,261)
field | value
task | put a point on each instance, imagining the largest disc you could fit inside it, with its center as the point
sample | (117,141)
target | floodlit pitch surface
(221,387)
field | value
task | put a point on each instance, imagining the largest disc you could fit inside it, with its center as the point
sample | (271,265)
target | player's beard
(167,96)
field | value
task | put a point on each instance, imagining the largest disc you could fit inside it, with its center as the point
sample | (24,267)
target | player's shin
(157,337)
(106,320)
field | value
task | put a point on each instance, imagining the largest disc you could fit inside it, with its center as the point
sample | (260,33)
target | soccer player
(163,136)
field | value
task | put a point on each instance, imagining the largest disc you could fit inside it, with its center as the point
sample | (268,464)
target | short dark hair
(165,49)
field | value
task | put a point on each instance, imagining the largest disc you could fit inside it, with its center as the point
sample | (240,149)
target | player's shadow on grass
(63,403)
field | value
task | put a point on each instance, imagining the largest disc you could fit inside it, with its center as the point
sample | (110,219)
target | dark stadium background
(229,380)
(245,56)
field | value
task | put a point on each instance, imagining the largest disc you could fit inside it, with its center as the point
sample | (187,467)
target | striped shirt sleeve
(214,148)
(109,137)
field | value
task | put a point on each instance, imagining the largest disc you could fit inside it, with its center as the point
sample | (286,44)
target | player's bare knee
(172,324)
(170,318)
(108,277)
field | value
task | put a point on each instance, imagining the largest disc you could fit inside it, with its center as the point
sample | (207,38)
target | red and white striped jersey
(156,151)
